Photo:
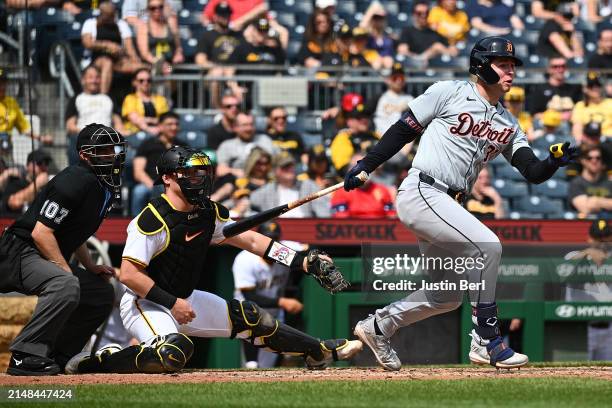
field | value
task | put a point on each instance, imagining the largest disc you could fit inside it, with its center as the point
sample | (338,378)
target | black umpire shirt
(73,204)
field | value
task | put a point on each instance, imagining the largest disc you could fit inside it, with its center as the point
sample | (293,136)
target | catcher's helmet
(104,148)
(483,53)
(194,172)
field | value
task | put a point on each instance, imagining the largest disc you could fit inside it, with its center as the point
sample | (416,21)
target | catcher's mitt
(325,272)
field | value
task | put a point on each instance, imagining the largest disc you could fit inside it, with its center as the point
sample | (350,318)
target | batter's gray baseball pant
(442,227)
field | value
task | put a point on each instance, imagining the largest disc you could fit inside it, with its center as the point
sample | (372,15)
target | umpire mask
(105,149)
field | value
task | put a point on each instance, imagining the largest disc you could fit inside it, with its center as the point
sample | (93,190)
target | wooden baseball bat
(247,223)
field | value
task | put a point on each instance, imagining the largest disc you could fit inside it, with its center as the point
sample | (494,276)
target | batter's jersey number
(50,209)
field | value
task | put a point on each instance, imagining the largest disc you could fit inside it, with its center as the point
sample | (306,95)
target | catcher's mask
(193,170)
(104,148)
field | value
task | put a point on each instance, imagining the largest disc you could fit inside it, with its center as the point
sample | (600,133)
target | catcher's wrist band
(161,297)
(284,255)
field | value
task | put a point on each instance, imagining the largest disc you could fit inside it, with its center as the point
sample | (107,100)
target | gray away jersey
(463,132)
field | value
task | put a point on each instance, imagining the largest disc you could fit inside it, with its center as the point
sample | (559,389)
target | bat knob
(363,176)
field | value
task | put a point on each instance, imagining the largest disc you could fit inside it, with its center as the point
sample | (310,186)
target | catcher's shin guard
(165,354)
(252,323)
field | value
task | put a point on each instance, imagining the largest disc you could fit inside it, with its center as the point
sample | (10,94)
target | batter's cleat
(495,352)
(28,364)
(334,350)
(380,345)
(76,365)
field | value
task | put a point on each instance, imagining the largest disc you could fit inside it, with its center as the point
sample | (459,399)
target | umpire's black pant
(70,306)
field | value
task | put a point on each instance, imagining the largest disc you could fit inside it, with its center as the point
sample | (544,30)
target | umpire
(34,254)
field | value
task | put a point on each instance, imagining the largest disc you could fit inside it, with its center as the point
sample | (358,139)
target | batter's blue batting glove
(351,181)
(563,154)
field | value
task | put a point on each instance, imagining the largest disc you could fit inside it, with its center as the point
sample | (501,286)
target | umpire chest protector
(177,267)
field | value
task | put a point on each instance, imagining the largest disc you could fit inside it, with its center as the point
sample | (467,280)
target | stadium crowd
(262,159)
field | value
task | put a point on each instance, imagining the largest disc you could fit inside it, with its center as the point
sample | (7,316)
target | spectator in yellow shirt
(356,138)
(593,108)
(515,103)
(141,110)
(448,21)
(11,115)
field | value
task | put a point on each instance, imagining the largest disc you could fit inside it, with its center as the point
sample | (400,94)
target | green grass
(470,393)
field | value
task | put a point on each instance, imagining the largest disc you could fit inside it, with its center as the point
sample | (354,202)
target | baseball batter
(163,257)
(462,126)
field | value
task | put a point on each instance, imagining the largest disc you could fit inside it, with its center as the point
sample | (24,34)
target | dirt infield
(333,374)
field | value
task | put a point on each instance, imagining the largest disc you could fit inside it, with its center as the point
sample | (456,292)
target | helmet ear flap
(481,67)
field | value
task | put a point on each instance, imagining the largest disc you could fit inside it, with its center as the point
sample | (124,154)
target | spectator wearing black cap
(590,193)
(317,40)
(243,12)
(21,188)
(558,36)
(319,168)
(594,256)
(284,139)
(218,42)
(420,42)
(345,54)
(594,107)
(357,137)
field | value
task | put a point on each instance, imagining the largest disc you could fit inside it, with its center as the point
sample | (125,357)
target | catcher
(163,257)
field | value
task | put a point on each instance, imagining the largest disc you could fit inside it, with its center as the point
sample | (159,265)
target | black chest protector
(178,266)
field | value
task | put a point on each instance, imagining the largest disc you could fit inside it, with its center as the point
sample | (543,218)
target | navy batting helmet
(483,53)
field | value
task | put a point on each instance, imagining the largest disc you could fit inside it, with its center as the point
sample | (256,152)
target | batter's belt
(457,195)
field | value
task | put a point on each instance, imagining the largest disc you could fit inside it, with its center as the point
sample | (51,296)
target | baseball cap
(317,153)
(350,100)
(39,157)
(593,80)
(592,129)
(240,193)
(343,30)
(360,32)
(358,111)
(515,94)
(323,4)
(397,69)
(263,25)
(551,118)
(223,9)
(284,159)
(600,229)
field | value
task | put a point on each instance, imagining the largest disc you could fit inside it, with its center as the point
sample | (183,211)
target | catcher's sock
(484,318)
(376,328)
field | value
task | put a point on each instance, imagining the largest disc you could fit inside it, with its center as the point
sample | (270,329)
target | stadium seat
(532,23)
(195,139)
(539,205)
(551,188)
(52,16)
(311,140)
(521,215)
(190,47)
(136,140)
(511,189)
(346,7)
(191,122)
(293,48)
(194,5)
(306,124)
(508,172)
(304,7)
(189,18)
(72,31)
(286,19)
(261,123)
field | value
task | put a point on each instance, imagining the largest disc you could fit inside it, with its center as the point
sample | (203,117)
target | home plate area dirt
(407,373)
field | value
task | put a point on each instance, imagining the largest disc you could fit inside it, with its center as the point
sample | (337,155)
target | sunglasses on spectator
(230,106)
(143,80)
(262,162)
(420,13)
(558,66)
(593,158)
(277,118)
(153,8)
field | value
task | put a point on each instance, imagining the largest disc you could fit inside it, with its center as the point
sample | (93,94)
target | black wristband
(297,264)
(161,297)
